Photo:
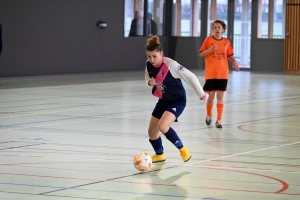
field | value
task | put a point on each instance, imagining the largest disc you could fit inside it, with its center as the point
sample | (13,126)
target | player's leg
(209,107)
(220,107)
(173,111)
(154,133)
(155,140)
(153,130)
(221,88)
(209,87)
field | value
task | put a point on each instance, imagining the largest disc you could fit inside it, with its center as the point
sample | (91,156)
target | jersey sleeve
(147,77)
(204,45)
(190,78)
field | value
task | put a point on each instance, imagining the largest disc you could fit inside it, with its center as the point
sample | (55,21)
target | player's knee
(153,132)
(163,128)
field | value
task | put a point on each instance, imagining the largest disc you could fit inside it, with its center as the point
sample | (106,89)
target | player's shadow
(161,188)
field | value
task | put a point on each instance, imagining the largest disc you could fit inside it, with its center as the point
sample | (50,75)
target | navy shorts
(176,107)
(215,84)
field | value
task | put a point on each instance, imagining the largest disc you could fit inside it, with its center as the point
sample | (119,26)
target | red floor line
(262,169)
(95,153)
(281,135)
(259,163)
(269,164)
(158,184)
(212,188)
(237,167)
(61,177)
(285,186)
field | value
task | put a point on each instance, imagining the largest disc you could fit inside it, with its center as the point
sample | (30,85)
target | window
(271,19)
(155,17)
(217,9)
(242,32)
(134,20)
(186,17)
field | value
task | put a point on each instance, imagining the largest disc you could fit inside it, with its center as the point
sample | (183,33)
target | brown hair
(154,44)
(220,22)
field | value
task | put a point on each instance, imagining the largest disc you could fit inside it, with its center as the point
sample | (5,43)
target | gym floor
(74,137)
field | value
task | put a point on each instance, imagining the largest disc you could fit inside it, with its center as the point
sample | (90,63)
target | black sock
(157,146)
(172,136)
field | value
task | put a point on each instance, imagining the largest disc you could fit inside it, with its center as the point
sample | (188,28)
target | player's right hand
(151,82)
(213,47)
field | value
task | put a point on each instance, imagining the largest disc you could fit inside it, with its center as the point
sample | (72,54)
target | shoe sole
(219,126)
(188,159)
(208,123)
(159,161)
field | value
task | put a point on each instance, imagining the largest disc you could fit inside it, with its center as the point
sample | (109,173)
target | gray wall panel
(186,51)
(268,55)
(60,37)
(42,37)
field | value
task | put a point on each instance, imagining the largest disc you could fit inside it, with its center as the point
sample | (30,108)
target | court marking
(243,153)
(240,127)
(21,146)
(262,91)
(285,185)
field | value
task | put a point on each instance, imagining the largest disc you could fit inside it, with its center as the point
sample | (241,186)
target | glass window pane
(186,18)
(181,18)
(242,32)
(271,26)
(133,17)
(263,14)
(199,17)
(279,19)
(155,17)
(217,9)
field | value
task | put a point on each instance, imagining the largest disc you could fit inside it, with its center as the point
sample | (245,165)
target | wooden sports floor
(68,137)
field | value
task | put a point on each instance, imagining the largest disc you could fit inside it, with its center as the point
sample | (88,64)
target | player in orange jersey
(216,51)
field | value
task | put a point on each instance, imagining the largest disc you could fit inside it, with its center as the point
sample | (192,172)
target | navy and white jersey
(168,76)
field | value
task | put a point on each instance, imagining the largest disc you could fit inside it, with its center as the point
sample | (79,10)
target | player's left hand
(236,66)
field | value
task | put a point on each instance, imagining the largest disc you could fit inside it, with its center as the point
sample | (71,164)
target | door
(292,39)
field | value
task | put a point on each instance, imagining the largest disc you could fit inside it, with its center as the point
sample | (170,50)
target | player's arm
(208,51)
(149,81)
(206,48)
(190,78)
(235,63)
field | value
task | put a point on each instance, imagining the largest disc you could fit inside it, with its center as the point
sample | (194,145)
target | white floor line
(247,169)
(238,154)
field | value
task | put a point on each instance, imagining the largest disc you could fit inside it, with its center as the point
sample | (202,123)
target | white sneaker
(205,97)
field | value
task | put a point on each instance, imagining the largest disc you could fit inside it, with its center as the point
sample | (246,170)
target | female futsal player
(164,75)
(216,51)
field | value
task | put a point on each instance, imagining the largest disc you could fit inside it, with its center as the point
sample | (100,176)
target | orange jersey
(216,63)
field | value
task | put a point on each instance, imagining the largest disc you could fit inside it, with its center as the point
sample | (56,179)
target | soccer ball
(142,162)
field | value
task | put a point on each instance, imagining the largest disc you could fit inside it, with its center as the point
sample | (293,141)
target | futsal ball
(142,162)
